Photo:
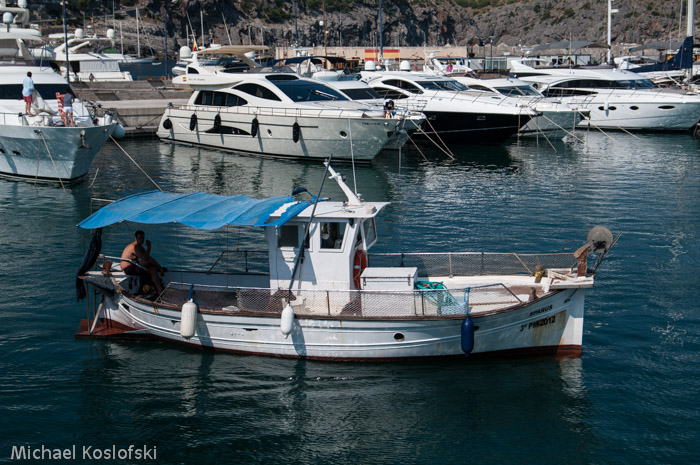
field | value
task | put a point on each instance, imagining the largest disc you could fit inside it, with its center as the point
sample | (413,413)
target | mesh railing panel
(473,264)
(346,304)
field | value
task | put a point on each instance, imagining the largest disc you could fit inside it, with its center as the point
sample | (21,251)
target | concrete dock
(137,105)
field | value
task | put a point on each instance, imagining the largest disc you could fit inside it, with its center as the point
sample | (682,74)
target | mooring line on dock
(568,133)
(447,149)
(599,129)
(539,129)
(51,158)
(134,161)
(417,148)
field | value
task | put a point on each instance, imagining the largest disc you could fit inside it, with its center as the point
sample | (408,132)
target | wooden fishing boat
(323,295)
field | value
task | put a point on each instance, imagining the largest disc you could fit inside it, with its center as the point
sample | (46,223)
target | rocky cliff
(404,22)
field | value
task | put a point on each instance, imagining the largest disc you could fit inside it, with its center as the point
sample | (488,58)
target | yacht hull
(552,324)
(675,115)
(346,138)
(48,153)
(472,128)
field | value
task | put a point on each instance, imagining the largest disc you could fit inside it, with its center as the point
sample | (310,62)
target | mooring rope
(137,165)
(51,158)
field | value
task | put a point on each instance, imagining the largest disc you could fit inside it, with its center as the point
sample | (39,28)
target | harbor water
(630,398)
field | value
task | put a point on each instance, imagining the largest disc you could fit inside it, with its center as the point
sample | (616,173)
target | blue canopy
(197,210)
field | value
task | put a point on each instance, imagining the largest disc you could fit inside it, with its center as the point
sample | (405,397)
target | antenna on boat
(300,257)
(287,318)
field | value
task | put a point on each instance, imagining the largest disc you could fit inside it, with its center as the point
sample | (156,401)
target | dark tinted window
(361,93)
(47,91)
(257,90)
(303,90)
(218,99)
(393,94)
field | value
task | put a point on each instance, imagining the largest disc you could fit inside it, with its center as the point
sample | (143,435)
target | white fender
(287,320)
(188,319)
(119,131)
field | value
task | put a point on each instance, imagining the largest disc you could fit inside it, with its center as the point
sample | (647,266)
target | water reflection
(315,412)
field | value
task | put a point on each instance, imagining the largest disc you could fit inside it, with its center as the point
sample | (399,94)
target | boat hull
(472,128)
(552,324)
(50,154)
(359,139)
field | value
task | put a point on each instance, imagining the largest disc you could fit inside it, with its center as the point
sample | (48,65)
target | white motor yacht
(359,91)
(87,58)
(616,99)
(452,112)
(37,145)
(555,119)
(275,114)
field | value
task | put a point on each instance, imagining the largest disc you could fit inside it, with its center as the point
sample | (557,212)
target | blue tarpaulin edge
(198,210)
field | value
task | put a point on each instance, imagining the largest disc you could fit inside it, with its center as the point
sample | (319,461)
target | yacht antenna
(300,257)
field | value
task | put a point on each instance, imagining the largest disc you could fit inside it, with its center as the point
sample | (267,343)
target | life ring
(193,121)
(254,127)
(167,124)
(359,264)
(217,123)
(296,132)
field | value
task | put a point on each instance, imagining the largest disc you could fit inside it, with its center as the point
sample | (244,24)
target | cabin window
(385,92)
(369,230)
(257,91)
(412,88)
(219,99)
(332,235)
(191,70)
(47,91)
(288,236)
(205,97)
(235,101)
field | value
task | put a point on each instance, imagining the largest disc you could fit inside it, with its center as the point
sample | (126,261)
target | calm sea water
(632,397)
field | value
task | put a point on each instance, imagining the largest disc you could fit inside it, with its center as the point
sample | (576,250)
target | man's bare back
(137,260)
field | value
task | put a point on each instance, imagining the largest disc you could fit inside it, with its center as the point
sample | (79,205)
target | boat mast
(65,37)
(381,46)
(138,38)
(610,13)
(691,33)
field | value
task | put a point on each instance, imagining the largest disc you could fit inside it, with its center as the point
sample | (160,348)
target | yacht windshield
(301,90)
(519,91)
(362,93)
(442,85)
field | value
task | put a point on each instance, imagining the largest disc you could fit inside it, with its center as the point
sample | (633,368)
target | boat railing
(472,263)
(241,261)
(284,112)
(346,304)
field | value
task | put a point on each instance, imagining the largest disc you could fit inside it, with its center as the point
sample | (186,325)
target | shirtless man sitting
(137,254)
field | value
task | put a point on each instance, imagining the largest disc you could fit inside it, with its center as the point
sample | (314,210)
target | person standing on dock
(27,92)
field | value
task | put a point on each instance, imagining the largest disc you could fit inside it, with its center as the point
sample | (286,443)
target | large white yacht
(37,145)
(275,114)
(452,112)
(616,99)
(555,119)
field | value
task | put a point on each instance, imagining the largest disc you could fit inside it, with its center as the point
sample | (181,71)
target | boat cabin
(335,248)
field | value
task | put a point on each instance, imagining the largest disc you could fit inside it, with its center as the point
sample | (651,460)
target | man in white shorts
(68,108)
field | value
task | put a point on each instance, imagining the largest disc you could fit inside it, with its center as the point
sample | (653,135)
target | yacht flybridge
(275,114)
